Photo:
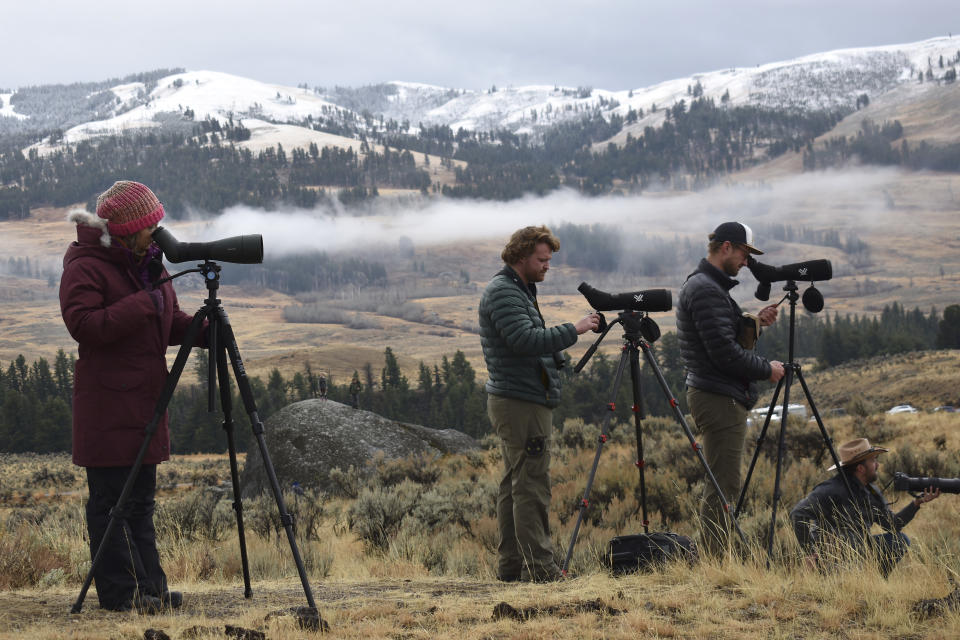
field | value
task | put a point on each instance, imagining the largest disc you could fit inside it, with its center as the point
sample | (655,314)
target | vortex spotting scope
(648,300)
(246,249)
(810,271)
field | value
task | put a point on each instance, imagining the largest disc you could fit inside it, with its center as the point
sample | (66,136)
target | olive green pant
(722,423)
(525,551)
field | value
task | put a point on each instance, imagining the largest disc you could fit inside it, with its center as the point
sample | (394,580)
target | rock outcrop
(307,439)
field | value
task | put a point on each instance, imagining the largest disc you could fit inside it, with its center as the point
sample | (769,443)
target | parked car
(902,408)
(757,416)
(946,408)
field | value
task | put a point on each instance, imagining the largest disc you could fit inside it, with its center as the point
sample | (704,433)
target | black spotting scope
(649,300)
(238,249)
(903,482)
(810,271)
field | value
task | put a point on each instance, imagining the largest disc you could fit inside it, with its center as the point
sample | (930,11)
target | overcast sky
(472,44)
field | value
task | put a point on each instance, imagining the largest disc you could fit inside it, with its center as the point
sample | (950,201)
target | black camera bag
(630,553)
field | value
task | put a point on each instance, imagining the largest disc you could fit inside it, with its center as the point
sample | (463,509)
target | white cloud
(839,200)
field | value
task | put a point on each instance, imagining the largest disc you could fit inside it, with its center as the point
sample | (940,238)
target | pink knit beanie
(128,207)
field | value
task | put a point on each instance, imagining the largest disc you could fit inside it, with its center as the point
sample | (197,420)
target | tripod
(220,343)
(639,330)
(791,369)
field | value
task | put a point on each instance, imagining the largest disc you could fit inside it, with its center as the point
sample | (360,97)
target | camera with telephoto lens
(903,482)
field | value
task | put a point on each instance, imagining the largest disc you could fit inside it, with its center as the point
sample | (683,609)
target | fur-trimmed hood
(87,219)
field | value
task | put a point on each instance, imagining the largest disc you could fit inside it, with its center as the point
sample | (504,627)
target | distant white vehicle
(902,408)
(759,415)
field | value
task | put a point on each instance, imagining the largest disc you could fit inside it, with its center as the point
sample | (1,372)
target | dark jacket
(123,339)
(708,322)
(829,512)
(520,352)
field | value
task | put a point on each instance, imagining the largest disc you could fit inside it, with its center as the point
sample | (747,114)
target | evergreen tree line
(200,172)
(604,248)
(207,172)
(306,272)
(848,243)
(696,145)
(840,339)
(691,149)
(35,405)
(35,413)
(35,402)
(876,144)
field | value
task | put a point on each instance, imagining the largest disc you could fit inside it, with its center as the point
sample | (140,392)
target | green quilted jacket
(518,348)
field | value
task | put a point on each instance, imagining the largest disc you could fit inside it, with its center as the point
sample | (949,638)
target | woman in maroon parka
(123,325)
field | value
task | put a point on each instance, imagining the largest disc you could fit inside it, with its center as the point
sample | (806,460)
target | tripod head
(210,271)
(636,325)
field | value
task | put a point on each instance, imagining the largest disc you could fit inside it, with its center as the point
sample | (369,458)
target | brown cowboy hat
(855,451)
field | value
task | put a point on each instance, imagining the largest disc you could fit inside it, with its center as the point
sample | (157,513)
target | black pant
(130,562)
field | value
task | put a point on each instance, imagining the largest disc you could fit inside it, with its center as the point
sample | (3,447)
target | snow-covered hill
(826,80)
(819,81)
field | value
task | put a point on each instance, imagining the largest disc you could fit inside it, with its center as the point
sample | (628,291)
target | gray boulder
(307,439)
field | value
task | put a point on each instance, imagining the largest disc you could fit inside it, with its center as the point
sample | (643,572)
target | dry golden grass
(925,379)
(441,582)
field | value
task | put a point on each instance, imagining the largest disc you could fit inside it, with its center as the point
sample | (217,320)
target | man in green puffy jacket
(523,357)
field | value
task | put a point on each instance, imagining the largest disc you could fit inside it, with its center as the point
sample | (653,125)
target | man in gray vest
(722,368)
(523,357)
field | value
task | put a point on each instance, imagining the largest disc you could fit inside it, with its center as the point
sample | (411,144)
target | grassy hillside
(923,379)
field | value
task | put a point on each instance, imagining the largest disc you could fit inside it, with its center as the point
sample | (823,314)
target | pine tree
(948,333)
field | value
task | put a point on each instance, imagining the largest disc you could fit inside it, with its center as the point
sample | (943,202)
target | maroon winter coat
(123,339)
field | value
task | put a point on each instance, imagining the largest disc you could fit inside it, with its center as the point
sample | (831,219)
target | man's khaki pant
(525,551)
(722,423)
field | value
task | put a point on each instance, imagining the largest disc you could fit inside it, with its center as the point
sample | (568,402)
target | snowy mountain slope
(208,94)
(833,79)
(820,81)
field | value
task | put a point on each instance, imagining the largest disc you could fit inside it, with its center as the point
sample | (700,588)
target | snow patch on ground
(7,110)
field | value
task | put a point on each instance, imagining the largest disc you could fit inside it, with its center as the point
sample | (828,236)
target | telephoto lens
(903,482)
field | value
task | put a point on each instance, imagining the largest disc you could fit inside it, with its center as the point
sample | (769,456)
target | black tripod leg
(697,448)
(189,339)
(756,452)
(226,405)
(827,440)
(781,450)
(637,420)
(243,385)
(585,502)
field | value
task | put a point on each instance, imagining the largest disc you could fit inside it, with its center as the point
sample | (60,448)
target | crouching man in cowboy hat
(830,519)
